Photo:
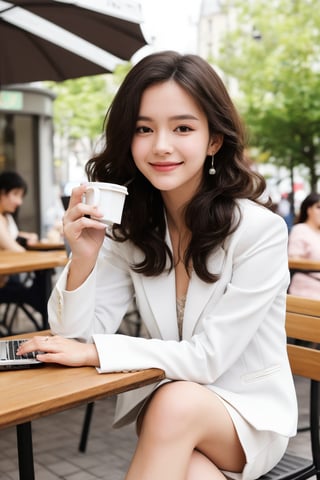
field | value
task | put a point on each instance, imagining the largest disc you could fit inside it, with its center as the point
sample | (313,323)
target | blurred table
(33,393)
(29,261)
(39,246)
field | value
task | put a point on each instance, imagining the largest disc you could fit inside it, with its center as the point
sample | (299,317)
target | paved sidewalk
(56,440)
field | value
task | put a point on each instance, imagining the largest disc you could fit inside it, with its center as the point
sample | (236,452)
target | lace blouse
(181,302)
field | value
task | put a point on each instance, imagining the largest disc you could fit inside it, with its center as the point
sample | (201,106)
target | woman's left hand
(56,349)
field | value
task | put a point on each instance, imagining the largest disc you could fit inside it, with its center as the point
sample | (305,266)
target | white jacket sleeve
(77,313)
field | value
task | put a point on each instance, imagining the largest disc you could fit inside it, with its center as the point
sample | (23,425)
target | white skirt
(263,449)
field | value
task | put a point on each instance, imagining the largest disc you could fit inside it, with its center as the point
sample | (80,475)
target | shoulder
(256,228)
(4,220)
(257,217)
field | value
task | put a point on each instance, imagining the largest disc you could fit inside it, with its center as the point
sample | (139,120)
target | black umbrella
(57,40)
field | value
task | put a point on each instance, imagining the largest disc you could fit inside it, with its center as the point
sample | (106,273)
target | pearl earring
(212,170)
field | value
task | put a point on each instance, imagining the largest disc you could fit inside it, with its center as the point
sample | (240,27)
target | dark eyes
(180,129)
(143,129)
(184,129)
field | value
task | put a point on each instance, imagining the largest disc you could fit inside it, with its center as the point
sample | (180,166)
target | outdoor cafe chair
(10,307)
(303,331)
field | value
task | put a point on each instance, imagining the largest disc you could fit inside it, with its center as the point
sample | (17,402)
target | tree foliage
(80,106)
(274,53)
(81,103)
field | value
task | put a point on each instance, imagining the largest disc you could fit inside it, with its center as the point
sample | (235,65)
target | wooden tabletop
(33,393)
(43,245)
(28,261)
(304,264)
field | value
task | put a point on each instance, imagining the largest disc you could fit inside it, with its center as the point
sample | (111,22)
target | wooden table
(29,261)
(33,393)
(42,262)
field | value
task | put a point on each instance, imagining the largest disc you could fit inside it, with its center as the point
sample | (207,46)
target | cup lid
(112,186)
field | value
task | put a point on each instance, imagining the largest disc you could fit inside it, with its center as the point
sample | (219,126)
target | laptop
(9,360)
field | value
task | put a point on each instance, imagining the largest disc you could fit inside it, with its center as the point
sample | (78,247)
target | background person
(285,209)
(304,242)
(13,188)
(12,191)
(197,249)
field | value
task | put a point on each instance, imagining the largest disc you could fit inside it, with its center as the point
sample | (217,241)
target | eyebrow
(185,116)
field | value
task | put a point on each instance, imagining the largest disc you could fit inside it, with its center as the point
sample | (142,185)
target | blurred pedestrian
(285,209)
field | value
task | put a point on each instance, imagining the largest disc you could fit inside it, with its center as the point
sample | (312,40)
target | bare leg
(200,467)
(186,434)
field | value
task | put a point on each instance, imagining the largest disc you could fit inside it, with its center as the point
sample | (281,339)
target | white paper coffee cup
(109,198)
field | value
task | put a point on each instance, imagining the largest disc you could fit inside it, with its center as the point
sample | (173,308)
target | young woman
(207,264)
(304,242)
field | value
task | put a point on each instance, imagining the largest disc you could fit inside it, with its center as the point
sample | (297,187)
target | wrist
(92,357)
(78,272)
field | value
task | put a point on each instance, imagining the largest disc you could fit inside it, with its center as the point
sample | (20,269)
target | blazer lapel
(200,292)
(161,294)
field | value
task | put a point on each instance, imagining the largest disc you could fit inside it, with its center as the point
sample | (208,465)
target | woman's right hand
(84,236)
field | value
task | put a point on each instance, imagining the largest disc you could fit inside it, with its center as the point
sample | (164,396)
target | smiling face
(172,140)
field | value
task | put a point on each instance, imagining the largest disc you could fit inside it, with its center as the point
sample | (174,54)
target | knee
(171,410)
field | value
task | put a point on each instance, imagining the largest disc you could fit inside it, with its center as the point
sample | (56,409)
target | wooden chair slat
(306,306)
(303,327)
(304,361)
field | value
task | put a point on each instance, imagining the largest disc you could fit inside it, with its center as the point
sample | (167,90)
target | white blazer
(234,339)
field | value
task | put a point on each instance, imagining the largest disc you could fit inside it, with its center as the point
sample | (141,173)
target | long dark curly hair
(210,213)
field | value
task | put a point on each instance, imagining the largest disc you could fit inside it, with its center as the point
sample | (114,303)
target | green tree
(81,104)
(274,53)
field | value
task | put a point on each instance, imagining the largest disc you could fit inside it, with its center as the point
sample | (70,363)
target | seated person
(12,191)
(304,242)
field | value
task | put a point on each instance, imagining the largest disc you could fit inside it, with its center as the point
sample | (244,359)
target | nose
(18,202)
(162,144)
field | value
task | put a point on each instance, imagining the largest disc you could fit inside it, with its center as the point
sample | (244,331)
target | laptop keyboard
(8,351)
